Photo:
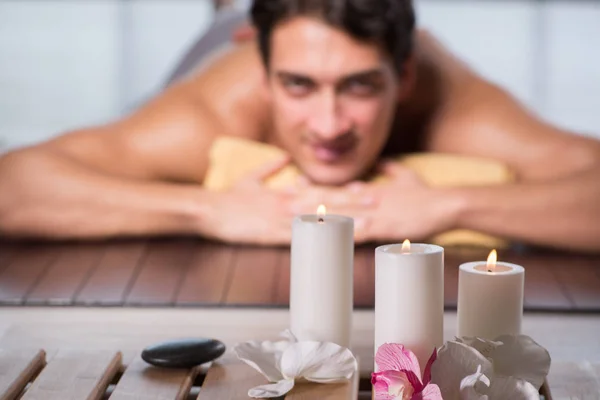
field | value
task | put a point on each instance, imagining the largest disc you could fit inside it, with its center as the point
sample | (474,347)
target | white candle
(490,304)
(321,278)
(409,298)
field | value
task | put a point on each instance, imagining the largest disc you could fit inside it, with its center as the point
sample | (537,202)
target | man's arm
(143,175)
(130,177)
(556,200)
(562,213)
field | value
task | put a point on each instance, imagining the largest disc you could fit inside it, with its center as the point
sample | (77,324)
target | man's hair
(387,23)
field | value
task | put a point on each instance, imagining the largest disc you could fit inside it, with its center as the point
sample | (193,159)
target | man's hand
(345,200)
(249,212)
(404,208)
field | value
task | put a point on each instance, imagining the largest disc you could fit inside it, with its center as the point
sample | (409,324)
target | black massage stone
(183,353)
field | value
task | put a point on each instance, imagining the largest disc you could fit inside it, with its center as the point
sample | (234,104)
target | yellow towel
(232,158)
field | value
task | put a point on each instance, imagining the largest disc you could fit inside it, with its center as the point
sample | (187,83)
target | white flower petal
(289,336)
(472,385)
(521,357)
(321,362)
(507,387)
(263,356)
(484,346)
(272,390)
(456,360)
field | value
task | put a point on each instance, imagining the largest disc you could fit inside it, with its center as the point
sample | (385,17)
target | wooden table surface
(182,272)
(84,334)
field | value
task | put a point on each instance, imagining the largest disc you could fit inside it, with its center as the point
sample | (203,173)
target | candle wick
(321,220)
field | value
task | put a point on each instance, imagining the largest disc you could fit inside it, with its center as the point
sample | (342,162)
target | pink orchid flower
(400,375)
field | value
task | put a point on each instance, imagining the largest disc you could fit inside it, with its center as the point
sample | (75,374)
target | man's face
(333,98)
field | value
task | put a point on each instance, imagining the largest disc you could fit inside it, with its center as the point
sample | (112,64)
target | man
(336,84)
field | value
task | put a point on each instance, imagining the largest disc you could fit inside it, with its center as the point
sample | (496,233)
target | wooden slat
(543,291)
(206,278)
(230,379)
(580,280)
(254,275)
(66,275)
(144,382)
(282,290)
(574,381)
(23,272)
(75,375)
(453,258)
(8,251)
(338,391)
(450,287)
(162,272)
(17,368)
(188,272)
(364,276)
(545,391)
(595,264)
(113,274)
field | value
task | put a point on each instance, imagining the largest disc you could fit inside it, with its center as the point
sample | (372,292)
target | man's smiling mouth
(332,152)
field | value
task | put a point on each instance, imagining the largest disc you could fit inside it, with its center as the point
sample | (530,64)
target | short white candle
(321,278)
(490,304)
(409,298)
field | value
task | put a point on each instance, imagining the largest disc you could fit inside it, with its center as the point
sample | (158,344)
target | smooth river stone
(183,353)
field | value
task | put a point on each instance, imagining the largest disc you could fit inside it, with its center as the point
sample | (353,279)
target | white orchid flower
(284,362)
(455,362)
(463,373)
(467,386)
(518,356)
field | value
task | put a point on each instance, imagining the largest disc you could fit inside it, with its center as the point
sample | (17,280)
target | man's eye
(297,85)
(361,88)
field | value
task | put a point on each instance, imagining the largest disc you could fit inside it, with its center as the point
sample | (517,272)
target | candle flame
(321,211)
(406,246)
(491,261)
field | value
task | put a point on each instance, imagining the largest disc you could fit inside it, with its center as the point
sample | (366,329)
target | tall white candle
(409,298)
(322,271)
(490,304)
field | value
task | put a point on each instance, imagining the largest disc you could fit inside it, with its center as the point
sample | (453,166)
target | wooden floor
(190,272)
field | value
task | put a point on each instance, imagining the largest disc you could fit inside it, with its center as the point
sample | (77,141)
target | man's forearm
(48,195)
(563,213)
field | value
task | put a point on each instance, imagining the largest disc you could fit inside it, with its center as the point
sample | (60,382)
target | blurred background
(69,63)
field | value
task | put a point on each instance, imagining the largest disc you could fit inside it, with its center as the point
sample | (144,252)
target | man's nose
(326,121)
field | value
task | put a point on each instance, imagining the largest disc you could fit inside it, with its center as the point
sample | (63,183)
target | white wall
(497,38)
(69,63)
(572,97)
(58,66)
(544,52)
(157,34)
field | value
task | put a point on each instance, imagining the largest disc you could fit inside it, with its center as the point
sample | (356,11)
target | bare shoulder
(169,138)
(231,85)
(479,118)
(442,82)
